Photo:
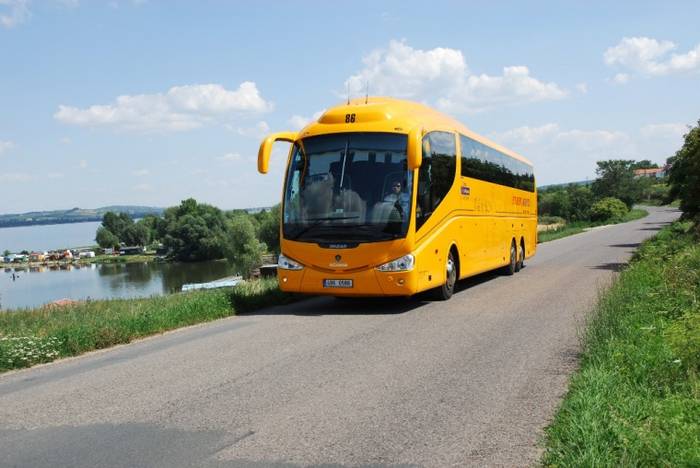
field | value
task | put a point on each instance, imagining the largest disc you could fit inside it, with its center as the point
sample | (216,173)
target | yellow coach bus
(385,197)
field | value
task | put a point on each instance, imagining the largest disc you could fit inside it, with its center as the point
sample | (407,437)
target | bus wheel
(521,257)
(510,269)
(445,291)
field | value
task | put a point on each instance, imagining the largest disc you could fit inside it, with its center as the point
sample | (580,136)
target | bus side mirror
(415,157)
(266,148)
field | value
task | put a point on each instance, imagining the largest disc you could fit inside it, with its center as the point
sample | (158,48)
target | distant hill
(74,215)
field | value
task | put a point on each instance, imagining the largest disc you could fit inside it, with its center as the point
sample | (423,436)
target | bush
(609,209)
(546,220)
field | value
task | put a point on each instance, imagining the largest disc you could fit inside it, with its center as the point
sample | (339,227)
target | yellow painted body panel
(480,225)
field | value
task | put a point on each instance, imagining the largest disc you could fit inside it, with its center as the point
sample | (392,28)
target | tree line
(609,197)
(194,231)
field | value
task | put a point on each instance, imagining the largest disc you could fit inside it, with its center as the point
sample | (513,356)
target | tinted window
(484,163)
(436,173)
(348,187)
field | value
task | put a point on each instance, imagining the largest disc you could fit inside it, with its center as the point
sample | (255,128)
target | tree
(136,234)
(195,231)
(155,226)
(644,164)
(243,247)
(117,223)
(106,239)
(580,201)
(6,253)
(616,179)
(608,209)
(269,231)
(684,175)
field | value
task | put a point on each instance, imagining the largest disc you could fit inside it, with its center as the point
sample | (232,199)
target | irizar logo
(338,262)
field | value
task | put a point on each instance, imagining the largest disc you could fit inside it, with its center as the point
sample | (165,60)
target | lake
(48,237)
(36,286)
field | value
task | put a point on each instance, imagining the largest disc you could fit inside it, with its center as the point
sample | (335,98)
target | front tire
(445,291)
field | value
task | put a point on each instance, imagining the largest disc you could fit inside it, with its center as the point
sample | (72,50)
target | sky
(149,102)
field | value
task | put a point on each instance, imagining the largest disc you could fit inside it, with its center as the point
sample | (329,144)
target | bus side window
(436,174)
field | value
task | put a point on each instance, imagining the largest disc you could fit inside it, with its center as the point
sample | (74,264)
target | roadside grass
(578,227)
(33,336)
(635,401)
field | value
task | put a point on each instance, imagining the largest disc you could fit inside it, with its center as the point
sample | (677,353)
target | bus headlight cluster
(285,263)
(404,263)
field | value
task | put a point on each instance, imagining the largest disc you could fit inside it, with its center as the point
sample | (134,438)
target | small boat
(228,282)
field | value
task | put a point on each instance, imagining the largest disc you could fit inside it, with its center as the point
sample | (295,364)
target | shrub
(546,220)
(608,209)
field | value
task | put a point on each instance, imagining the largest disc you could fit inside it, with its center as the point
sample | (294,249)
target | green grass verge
(565,231)
(29,337)
(636,399)
(577,227)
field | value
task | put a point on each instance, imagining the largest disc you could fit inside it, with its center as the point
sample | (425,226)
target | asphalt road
(472,381)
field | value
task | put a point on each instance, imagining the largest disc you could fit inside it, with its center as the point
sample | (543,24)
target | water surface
(32,287)
(48,237)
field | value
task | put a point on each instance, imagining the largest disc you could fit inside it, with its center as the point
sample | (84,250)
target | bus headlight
(404,263)
(285,263)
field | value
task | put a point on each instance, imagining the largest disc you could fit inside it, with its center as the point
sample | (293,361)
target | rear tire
(521,258)
(445,291)
(510,269)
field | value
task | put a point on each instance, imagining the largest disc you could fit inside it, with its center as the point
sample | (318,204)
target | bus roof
(376,113)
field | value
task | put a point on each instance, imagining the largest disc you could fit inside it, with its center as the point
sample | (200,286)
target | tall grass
(636,399)
(580,226)
(34,336)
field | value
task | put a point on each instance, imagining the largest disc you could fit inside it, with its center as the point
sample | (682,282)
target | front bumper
(369,282)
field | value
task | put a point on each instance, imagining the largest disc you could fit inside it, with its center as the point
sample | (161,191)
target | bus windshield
(348,187)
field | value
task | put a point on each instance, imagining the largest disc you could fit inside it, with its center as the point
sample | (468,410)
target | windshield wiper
(318,221)
(331,218)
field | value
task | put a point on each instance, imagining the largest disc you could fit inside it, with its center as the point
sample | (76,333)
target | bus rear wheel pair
(517,259)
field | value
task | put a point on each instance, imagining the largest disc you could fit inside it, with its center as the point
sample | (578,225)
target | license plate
(337,283)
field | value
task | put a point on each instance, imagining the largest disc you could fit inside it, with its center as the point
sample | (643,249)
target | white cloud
(649,56)
(582,88)
(664,130)
(13,12)
(621,78)
(587,141)
(82,164)
(141,172)
(441,75)
(55,175)
(596,144)
(258,131)
(527,135)
(180,108)
(66,141)
(566,155)
(6,146)
(299,121)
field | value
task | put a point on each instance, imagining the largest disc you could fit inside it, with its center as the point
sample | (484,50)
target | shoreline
(100,259)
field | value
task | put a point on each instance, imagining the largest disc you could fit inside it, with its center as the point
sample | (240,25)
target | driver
(398,197)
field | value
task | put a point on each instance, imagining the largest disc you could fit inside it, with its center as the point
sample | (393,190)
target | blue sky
(150,102)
